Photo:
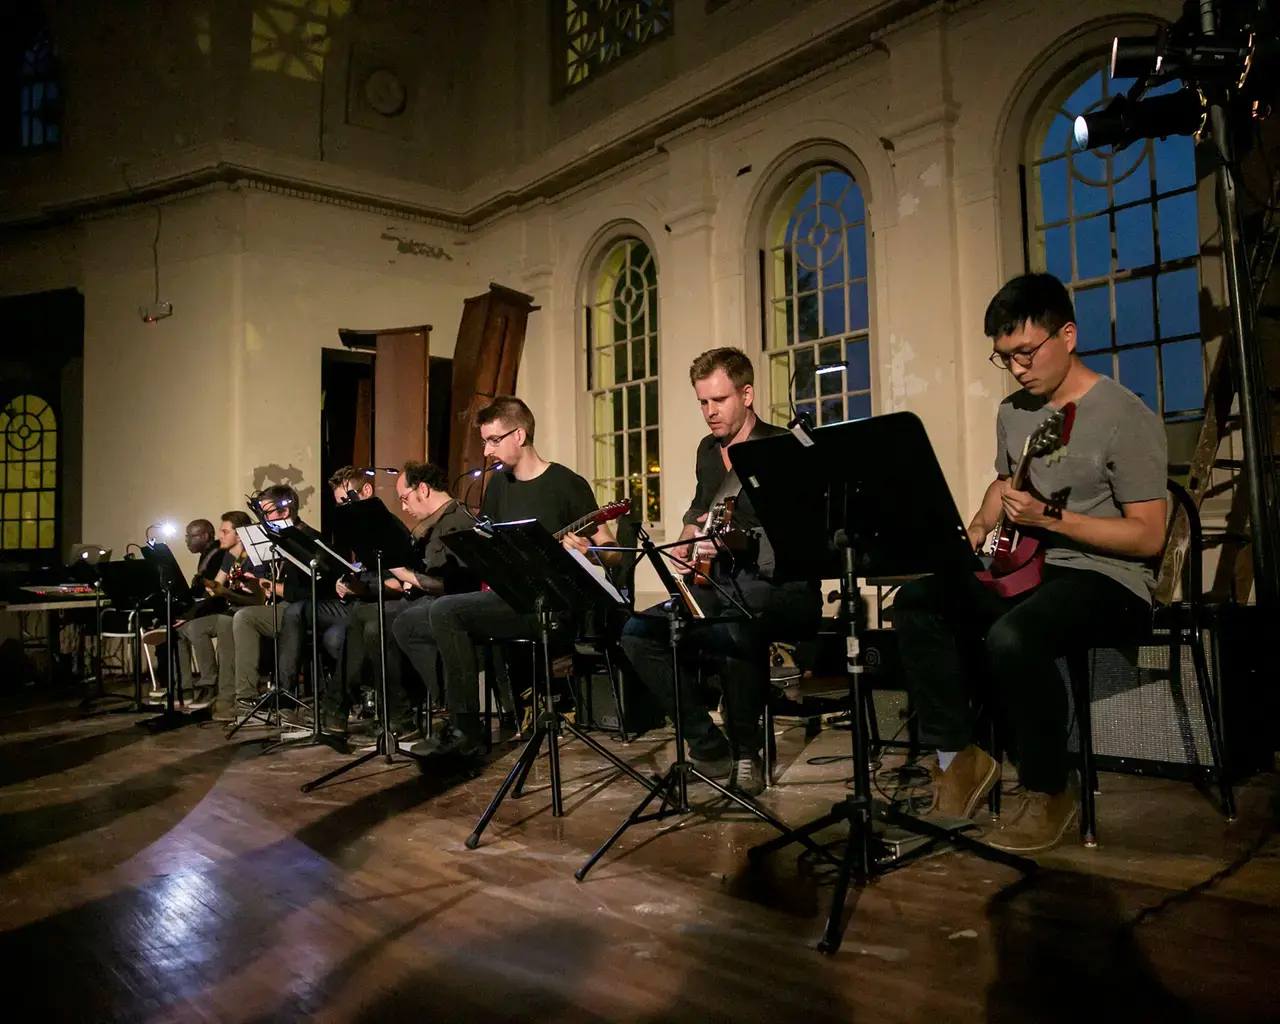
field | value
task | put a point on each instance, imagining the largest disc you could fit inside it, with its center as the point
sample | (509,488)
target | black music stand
(172,582)
(129,585)
(530,570)
(370,531)
(674,785)
(833,505)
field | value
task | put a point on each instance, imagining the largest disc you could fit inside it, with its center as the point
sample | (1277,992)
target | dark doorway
(347,414)
(346,417)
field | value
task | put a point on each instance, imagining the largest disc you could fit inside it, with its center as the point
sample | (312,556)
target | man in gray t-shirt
(1116,456)
(1097,505)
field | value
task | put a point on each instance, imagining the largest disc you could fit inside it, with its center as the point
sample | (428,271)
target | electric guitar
(1017,564)
(604,514)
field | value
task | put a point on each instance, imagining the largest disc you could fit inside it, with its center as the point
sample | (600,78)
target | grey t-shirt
(1117,454)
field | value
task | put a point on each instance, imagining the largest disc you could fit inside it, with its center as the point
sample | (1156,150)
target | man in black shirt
(723,380)
(528,487)
(424,494)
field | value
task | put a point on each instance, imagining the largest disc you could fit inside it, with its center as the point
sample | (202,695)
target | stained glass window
(39,96)
(597,33)
(621,324)
(1121,229)
(816,294)
(292,37)
(28,501)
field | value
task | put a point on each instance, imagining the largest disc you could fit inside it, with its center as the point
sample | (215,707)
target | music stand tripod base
(526,567)
(673,787)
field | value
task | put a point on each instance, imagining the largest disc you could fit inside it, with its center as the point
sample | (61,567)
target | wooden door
(485,365)
(400,388)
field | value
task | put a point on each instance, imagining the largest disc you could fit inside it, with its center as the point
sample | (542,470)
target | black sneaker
(449,742)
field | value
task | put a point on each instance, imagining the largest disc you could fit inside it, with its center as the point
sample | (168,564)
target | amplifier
(1147,710)
(600,710)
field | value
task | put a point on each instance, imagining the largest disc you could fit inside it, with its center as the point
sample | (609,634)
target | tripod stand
(525,566)
(673,787)
(847,518)
(161,558)
(370,530)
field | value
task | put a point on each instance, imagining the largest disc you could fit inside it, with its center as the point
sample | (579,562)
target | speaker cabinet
(1147,711)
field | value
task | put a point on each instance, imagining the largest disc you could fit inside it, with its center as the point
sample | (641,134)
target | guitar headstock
(1054,432)
(608,513)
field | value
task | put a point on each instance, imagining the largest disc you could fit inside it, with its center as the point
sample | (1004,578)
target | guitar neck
(575,526)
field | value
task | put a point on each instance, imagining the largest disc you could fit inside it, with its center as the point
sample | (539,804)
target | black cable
(155,252)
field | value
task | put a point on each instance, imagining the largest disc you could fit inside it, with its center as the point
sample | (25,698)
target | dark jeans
(413,637)
(362,643)
(788,611)
(458,623)
(295,622)
(954,632)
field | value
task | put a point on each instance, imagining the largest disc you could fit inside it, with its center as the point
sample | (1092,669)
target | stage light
(1123,121)
(822,368)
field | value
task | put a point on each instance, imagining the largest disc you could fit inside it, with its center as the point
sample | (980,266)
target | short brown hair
(281,496)
(238,519)
(513,412)
(733,361)
(349,477)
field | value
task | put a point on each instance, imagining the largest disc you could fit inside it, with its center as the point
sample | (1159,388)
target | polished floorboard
(182,877)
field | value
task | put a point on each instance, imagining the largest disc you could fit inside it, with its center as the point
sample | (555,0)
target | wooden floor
(181,877)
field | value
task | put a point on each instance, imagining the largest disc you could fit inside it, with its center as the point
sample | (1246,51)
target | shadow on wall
(290,476)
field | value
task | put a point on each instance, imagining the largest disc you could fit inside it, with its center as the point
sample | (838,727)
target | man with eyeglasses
(1099,506)
(527,487)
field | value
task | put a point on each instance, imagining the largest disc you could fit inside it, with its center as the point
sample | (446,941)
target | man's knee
(926,595)
(1005,641)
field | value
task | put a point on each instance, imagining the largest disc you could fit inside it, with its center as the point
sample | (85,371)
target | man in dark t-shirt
(528,487)
(723,380)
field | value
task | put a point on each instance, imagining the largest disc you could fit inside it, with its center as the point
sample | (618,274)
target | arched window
(621,329)
(28,502)
(815,292)
(1121,229)
(39,99)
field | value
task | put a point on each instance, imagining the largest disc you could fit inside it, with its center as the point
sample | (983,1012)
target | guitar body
(719,522)
(1015,570)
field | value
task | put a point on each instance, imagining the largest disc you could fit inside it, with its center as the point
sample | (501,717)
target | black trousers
(459,622)
(954,635)
(361,643)
(740,650)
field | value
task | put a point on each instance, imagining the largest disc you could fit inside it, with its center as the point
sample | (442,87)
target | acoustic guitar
(1017,563)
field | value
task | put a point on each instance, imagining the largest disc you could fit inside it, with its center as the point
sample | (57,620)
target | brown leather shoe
(958,790)
(1040,823)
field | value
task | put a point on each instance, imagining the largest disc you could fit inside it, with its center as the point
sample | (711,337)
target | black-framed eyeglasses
(1024,359)
(493,442)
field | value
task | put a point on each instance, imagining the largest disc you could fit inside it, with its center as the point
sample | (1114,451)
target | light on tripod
(1123,121)
(1135,56)
(822,368)
(166,528)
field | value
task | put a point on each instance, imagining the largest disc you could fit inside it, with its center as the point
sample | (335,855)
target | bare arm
(984,520)
(603,539)
(1138,533)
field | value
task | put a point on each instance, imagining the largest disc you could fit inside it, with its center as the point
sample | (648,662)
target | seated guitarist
(1098,504)
(528,487)
(723,380)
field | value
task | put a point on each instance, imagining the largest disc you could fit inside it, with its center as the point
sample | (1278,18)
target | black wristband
(1052,510)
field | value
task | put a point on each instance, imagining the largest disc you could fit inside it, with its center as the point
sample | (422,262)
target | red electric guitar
(1018,562)
(605,514)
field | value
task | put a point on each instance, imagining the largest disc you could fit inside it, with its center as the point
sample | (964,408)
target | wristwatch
(1052,510)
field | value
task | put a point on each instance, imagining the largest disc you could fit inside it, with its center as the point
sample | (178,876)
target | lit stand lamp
(158,554)
(831,506)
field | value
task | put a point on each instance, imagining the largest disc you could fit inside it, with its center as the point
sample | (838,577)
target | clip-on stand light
(530,570)
(831,514)
(673,787)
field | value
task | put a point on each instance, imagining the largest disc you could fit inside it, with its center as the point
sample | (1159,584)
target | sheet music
(301,565)
(354,567)
(256,544)
(598,574)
